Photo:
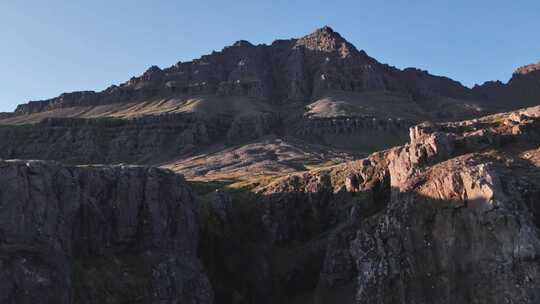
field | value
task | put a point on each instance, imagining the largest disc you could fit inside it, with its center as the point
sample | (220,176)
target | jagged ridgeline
(297,172)
(319,88)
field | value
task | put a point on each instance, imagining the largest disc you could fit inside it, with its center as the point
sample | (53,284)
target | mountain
(523,88)
(299,172)
(297,69)
(315,90)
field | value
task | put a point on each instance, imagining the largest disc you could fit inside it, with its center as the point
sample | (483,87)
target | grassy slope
(207,105)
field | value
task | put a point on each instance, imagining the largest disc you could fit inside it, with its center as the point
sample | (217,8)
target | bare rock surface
(97,234)
(450,217)
(143,140)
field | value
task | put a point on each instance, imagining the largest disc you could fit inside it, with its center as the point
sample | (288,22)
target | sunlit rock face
(461,225)
(526,69)
(450,217)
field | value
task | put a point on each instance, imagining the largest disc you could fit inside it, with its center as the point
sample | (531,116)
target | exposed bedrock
(466,234)
(252,126)
(110,234)
(149,139)
(362,134)
(462,223)
(347,125)
(451,217)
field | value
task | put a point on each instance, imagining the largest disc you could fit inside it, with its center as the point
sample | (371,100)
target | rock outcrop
(84,141)
(450,217)
(97,235)
(144,140)
(466,234)
(461,226)
(351,125)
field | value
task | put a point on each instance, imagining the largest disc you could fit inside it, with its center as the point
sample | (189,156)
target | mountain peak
(325,39)
(325,31)
(241,43)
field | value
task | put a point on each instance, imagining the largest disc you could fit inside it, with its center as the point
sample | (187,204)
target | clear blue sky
(50,47)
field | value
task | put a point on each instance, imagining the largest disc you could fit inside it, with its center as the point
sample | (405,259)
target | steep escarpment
(83,141)
(469,224)
(450,217)
(143,140)
(97,235)
(365,134)
(460,216)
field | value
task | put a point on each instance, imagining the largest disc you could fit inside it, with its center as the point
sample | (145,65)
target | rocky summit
(304,171)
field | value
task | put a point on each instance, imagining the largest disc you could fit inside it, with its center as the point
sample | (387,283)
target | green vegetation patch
(111,280)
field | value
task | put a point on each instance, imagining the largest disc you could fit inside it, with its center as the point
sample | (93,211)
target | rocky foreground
(451,217)
(97,235)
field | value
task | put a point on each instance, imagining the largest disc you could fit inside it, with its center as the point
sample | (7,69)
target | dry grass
(206,105)
(257,163)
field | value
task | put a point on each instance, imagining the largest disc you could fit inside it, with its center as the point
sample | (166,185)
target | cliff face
(462,214)
(97,234)
(467,234)
(81,141)
(451,217)
(364,134)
